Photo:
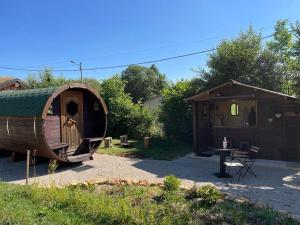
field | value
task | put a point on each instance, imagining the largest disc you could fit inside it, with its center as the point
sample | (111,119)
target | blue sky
(101,33)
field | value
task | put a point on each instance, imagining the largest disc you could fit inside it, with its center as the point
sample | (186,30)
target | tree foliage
(243,59)
(272,64)
(143,83)
(125,117)
(176,113)
(45,79)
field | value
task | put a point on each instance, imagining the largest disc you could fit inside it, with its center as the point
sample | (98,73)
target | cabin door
(203,126)
(72,118)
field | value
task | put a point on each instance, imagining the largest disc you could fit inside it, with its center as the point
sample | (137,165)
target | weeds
(124,205)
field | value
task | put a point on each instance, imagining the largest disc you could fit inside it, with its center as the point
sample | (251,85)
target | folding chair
(249,161)
(237,159)
(244,160)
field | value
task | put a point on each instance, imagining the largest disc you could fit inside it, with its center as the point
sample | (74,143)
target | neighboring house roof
(29,102)
(5,81)
(234,82)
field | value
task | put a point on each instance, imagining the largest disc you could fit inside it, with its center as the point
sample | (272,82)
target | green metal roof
(28,103)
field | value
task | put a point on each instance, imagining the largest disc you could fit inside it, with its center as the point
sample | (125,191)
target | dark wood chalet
(247,115)
(9,83)
(65,124)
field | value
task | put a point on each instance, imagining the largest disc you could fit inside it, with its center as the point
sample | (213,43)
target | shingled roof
(26,103)
(234,82)
(7,80)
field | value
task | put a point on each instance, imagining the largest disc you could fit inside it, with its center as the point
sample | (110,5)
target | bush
(124,116)
(208,194)
(176,113)
(171,183)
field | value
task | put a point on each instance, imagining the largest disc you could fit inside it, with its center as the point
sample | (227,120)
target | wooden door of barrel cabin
(72,118)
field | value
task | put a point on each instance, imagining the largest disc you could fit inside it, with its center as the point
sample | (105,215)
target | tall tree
(286,46)
(243,59)
(281,47)
(296,44)
(143,83)
(296,57)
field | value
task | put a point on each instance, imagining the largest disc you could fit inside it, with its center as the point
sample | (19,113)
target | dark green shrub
(171,183)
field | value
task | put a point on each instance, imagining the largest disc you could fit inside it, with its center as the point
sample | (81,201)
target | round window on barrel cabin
(72,108)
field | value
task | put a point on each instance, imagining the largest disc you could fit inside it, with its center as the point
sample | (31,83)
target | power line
(123,65)
(153,61)
(111,67)
(35,70)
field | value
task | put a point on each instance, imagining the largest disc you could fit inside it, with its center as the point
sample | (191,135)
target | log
(146,142)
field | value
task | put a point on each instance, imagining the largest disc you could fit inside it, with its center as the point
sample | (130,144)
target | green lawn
(160,149)
(122,205)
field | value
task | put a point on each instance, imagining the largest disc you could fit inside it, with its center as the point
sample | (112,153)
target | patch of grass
(160,149)
(121,205)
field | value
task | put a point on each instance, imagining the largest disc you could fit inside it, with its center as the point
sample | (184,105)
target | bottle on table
(225,143)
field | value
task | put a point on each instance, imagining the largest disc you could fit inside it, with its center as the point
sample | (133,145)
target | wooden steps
(79,158)
(71,151)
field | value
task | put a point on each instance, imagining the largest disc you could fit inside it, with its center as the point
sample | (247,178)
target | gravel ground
(277,183)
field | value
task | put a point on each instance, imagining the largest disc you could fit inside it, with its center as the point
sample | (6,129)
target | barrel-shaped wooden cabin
(66,123)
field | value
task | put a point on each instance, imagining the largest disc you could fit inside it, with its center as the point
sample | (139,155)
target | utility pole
(80,68)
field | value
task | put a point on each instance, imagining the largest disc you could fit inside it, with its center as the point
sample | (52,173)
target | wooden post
(123,139)
(108,142)
(27,166)
(146,142)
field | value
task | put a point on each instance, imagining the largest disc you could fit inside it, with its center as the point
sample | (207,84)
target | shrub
(176,113)
(125,117)
(171,183)
(208,194)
